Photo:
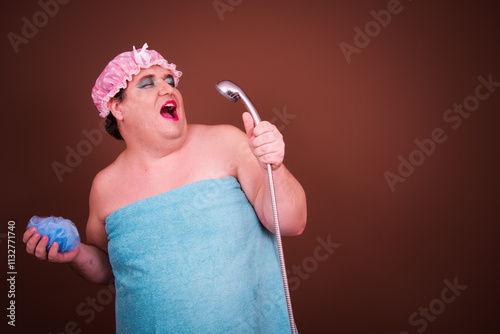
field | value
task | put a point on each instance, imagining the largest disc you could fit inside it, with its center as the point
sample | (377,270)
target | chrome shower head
(233,93)
(229,90)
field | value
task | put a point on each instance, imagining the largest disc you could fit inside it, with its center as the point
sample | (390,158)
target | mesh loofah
(59,230)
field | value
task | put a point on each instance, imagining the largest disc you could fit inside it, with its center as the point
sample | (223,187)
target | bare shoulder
(99,207)
(102,179)
(219,129)
(101,190)
(225,136)
(220,147)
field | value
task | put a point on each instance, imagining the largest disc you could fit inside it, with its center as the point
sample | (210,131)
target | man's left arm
(264,146)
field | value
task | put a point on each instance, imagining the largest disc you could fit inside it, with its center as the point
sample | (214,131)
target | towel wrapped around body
(195,259)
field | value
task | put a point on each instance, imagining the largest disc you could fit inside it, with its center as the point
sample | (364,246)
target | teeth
(168,110)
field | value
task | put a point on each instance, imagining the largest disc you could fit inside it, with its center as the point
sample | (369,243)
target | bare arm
(89,260)
(92,263)
(266,146)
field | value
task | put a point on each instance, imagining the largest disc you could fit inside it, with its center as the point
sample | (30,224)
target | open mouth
(169,110)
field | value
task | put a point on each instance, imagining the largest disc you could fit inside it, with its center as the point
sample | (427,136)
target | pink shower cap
(121,69)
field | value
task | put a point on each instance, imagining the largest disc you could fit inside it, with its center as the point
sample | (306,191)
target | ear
(114,107)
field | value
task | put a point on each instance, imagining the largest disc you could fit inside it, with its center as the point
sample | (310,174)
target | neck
(147,151)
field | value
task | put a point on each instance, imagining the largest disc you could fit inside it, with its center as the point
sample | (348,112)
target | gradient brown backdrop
(351,123)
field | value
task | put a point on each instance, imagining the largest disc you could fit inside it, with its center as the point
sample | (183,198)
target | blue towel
(195,259)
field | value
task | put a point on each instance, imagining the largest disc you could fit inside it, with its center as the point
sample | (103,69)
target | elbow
(300,220)
(293,232)
(110,280)
(107,278)
(297,228)
(301,230)
(302,223)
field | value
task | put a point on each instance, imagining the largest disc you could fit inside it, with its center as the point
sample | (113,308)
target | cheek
(179,98)
(139,101)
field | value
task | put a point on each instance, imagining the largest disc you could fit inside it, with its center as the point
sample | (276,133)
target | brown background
(352,121)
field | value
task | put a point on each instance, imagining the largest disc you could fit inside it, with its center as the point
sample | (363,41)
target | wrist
(78,259)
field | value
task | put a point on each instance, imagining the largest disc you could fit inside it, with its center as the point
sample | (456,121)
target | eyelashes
(146,83)
(170,80)
(149,82)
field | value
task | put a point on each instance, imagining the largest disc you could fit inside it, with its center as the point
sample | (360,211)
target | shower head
(233,93)
(229,90)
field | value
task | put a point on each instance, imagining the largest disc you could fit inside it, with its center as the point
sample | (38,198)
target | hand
(266,142)
(37,245)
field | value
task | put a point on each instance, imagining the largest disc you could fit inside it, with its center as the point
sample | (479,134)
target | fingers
(35,243)
(41,248)
(267,145)
(31,240)
(265,156)
(266,142)
(28,234)
(264,127)
(53,254)
(267,138)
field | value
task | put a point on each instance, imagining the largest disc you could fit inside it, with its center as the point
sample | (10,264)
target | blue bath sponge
(59,230)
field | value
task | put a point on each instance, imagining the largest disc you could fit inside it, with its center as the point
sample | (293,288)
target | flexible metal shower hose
(277,232)
(232,92)
(280,248)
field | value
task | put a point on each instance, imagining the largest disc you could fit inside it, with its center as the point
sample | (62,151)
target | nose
(165,88)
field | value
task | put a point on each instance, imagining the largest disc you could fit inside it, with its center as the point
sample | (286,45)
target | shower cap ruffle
(121,69)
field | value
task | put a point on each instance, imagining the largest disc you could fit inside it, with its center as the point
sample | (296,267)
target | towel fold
(195,259)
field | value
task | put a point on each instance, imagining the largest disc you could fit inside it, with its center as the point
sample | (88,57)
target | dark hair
(111,123)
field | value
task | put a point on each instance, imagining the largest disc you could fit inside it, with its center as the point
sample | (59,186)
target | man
(179,219)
